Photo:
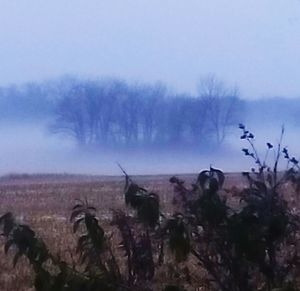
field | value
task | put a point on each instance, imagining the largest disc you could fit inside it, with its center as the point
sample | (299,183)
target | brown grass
(44,202)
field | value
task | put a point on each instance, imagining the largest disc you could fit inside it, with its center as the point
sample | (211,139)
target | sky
(252,44)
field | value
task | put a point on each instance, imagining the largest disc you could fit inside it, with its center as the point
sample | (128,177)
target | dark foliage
(251,247)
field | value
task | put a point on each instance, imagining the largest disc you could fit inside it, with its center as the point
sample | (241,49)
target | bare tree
(71,116)
(102,100)
(222,104)
(152,99)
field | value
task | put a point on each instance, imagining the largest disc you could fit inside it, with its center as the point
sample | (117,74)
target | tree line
(116,113)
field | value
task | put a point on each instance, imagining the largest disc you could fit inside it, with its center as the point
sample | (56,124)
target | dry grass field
(44,202)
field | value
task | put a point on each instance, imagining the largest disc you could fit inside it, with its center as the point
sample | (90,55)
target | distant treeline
(27,102)
(116,113)
(113,112)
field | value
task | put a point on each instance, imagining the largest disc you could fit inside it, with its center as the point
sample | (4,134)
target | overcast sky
(254,44)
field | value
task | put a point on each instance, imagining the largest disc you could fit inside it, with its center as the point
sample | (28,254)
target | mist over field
(31,144)
(41,152)
(45,153)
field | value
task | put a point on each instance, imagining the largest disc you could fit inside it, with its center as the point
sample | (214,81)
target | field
(44,202)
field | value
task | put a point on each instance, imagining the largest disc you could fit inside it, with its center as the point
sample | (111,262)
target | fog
(80,126)
(31,148)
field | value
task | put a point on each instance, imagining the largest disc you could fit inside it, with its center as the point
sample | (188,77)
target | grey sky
(254,44)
